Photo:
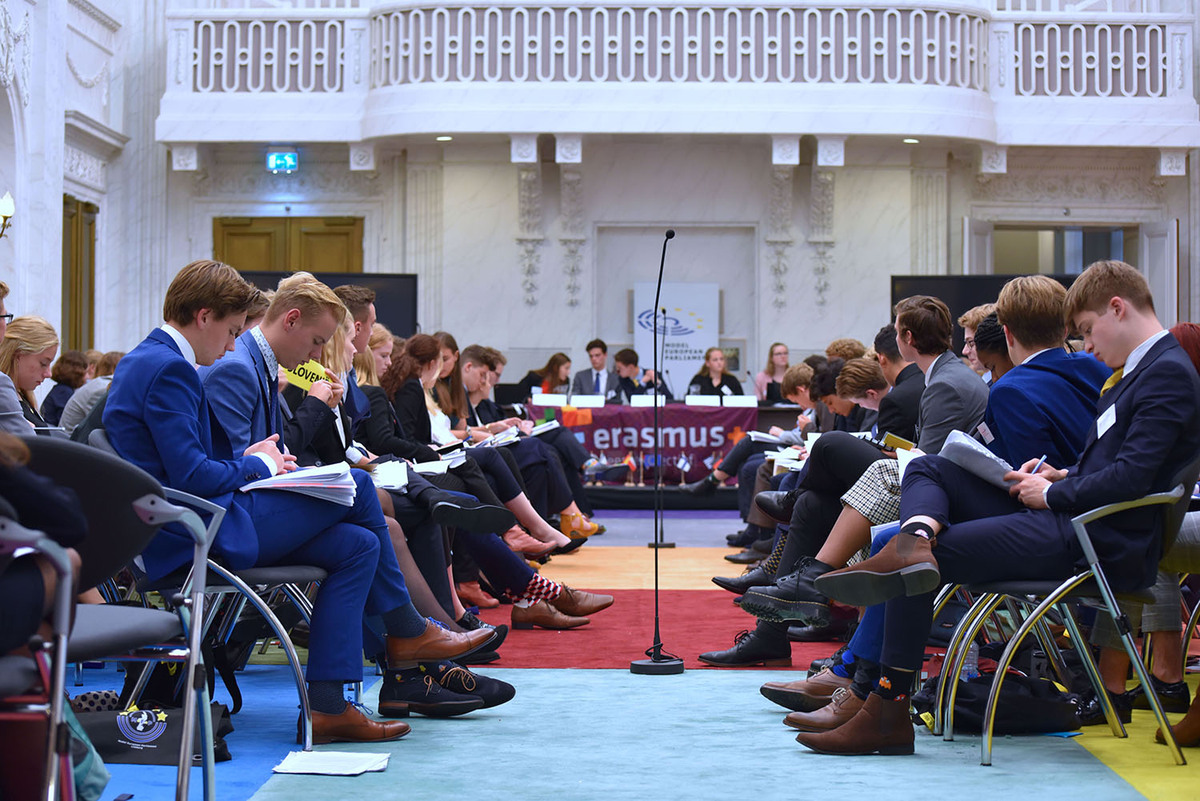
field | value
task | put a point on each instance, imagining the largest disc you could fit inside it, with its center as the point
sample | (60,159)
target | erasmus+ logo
(667,325)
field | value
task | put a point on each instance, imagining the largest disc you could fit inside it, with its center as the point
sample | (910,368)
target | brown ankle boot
(880,727)
(840,710)
(905,566)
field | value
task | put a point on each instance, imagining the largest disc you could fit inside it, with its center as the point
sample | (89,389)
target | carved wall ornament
(820,229)
(785,150)
(779,237)
(993,159)
(568,148)
(831,151)
(99,79)
(83,167)
(1071,182)
(328,180)
(362,156)
(529,225)
(523,148)
(185,157)
(15,57)
(572,267)
(573,239)
(1172,162)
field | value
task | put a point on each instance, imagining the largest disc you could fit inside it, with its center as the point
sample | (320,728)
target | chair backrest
(1173,521)
(107,487)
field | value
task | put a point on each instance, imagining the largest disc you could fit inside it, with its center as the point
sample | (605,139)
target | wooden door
(285,244)
(79,273)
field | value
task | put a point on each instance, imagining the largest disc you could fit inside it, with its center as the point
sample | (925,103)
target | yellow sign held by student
(307,374)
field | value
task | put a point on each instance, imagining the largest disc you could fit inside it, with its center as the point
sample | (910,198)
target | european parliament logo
(667,325)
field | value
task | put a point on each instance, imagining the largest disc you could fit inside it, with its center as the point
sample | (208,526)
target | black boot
(763,646)
(754,577)
(705,486)
(793,597)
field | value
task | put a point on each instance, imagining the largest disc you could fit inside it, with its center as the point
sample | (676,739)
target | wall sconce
(7,209)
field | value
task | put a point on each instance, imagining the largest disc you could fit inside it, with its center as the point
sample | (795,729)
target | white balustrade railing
(900,44)
(1091,59)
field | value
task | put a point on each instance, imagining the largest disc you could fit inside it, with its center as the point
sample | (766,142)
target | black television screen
(395,294)
(959,292)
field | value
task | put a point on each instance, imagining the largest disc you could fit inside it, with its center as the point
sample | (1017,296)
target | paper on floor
(332,763)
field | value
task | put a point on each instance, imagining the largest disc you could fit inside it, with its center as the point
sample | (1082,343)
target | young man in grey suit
(598,380)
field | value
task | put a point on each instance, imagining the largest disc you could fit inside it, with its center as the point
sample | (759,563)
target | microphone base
(656,667)
(660,545)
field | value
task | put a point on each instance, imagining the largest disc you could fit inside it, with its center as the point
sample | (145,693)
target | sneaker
(407,691)
(458,679)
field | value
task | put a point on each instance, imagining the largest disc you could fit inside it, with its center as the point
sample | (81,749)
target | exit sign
(286,161)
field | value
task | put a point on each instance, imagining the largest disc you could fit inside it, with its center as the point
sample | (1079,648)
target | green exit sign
(286,161)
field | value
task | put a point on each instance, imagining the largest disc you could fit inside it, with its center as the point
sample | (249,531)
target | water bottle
(970,668)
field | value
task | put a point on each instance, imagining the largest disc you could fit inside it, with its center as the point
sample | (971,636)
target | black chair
(243,586)
(1090,585)
(125,507)
(18,675)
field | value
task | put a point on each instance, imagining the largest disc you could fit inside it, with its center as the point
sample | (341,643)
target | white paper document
(329,483)
(332,763)
(967,453)
(390,476)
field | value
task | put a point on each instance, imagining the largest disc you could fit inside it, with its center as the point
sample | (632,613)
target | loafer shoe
(352,726)
(905,566)
(579,603)
(806,695)
(749,650)
(404,692)
(791,597)
(1174,696)
(840,708)
(1091,713)
(753,577)
(464,513)
(458,679)
(777,505)
(544,616)
(436,643)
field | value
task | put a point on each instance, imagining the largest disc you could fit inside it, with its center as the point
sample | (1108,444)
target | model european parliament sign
(688,320)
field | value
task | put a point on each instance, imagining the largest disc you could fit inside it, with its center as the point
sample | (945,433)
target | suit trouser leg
(836,461)
(812,518)
(988,536)
(504,569)
(746,483)
(352,545)
(489,464)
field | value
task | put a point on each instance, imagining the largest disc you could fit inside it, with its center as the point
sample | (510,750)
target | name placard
(307,374)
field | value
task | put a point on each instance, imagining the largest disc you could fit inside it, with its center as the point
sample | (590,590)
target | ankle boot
(880,727)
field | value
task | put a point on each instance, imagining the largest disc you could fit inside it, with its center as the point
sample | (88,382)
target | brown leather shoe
(352,726)
(579,603)
(544,615)
(905,566)
(435,644)
(474,595)
(806,695)
(843,706)
(1187,730)
(880,727)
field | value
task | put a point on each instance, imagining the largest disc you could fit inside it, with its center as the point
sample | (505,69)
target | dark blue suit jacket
(241,395)
(157,417)
(1045,407)
(1155,432)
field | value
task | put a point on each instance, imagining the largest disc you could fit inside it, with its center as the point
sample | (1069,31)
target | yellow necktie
(1112,380)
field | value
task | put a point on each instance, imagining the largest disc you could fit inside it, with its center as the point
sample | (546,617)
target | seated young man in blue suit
(159,418)
(960,529)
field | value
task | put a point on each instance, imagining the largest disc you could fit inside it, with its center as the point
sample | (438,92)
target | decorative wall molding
(83,167)
(91,11)
(1071,179)
(573,239)
(785,150)
(424,228)
(779,237)
(15,55)
(993,159)
(929,230)
(1172,162)
(362,156)
(325,180)
(99,79)
(529,227)
(185,156)
(820,229)
(523,148)
(568,148)
(831,151)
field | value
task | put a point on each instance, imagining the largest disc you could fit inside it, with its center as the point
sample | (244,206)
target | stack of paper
(542,428)
(390,475)
(760,436)
(329,483)
(332,763)
(973,457)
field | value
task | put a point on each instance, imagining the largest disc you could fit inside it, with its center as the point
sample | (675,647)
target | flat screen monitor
(395,294)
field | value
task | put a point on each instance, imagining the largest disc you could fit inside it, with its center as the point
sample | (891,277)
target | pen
(1038,466)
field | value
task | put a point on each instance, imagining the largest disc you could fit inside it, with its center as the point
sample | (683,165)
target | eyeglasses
(8,318)
(969,343)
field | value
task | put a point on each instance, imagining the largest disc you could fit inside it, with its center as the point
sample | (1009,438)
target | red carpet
(692,622)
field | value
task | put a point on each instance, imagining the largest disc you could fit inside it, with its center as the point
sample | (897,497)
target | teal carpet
(607,734)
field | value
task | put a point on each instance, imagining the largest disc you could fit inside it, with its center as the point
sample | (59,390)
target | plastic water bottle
(970,668)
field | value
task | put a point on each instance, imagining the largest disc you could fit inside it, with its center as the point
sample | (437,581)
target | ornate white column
(568,152)
(530,235)
(423,228)
(928,226)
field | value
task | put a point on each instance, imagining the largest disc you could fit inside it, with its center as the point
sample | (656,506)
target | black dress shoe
(753,577)
(705,486)
(404,692)
(793,597)
(748,650)
(764,545)
(1174,696)
(451,510)
(1091,713)
(747,556)
(744,538)
(470,622)
(777,505)
(837,630)
(458,679)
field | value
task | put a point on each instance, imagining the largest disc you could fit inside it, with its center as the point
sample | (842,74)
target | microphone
(670,234)
(666,381)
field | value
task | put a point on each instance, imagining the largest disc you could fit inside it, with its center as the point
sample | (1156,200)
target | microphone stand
(659,663)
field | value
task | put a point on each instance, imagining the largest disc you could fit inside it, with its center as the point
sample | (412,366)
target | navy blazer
(1154,432)
(1044,407)
(242,396)
(157,417)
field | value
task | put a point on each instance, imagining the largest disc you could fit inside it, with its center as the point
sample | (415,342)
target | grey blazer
(954,400)
(582,383)
(12,419)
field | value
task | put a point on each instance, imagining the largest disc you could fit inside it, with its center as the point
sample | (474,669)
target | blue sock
(846,668)
(404,621)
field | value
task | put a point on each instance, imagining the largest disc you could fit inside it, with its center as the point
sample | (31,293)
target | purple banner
(693,434)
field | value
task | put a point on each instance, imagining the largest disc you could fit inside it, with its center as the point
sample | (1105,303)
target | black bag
(150,736)
(1027,706)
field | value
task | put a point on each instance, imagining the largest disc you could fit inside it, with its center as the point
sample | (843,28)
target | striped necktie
(1112,380)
